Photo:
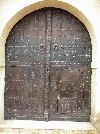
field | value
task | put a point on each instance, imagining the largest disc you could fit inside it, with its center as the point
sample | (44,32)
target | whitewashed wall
(88,11)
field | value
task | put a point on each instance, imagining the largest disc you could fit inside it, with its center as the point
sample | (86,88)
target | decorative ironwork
(48,68)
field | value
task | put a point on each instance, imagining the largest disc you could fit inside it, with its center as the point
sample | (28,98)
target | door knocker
(55,47)
(41,47)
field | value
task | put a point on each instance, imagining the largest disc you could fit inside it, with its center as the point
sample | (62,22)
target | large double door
(48,68)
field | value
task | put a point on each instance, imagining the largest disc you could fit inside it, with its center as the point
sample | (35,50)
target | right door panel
(70,69)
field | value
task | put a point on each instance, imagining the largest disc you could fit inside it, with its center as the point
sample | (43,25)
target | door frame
(95,108)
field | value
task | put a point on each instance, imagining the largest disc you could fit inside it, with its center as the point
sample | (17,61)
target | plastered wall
(88,11)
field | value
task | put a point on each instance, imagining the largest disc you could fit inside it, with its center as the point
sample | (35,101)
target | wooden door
(48,68)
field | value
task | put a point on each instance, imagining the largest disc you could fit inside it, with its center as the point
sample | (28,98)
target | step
(50,127)
(56,131)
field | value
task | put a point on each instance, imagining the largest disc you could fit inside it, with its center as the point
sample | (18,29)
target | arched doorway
(48,68)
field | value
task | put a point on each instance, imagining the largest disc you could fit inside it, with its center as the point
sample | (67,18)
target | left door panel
(25,69)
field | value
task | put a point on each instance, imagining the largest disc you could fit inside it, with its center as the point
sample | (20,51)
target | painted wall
(88,11)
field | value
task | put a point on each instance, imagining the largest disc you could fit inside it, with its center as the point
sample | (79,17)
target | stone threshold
(61,125)
(24,131)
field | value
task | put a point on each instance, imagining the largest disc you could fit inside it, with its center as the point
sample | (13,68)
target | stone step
(51,127)
(40,131)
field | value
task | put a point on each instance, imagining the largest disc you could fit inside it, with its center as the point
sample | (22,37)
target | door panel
(25,69)
(25,93)
(48,68)
(68,93)
(70,73)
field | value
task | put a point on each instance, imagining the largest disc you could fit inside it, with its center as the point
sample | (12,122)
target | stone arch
(35,6)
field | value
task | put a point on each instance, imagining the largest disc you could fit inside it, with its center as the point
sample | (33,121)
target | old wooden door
(48,68)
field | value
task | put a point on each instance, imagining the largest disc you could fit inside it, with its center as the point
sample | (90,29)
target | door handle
(55,47)
(41,47)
